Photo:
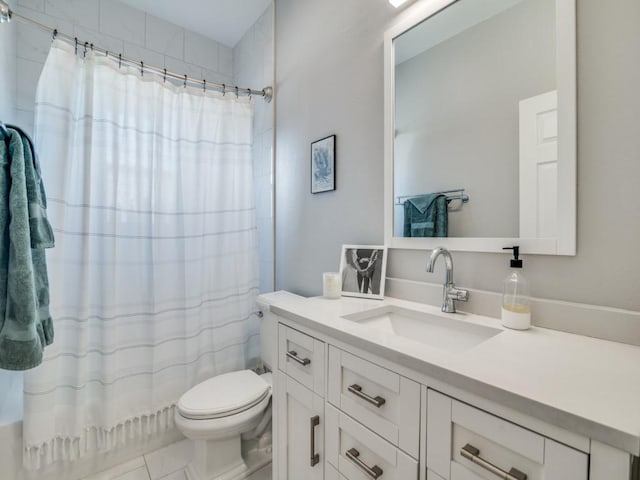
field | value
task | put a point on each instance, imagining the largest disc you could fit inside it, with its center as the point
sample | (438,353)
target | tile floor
(165,464)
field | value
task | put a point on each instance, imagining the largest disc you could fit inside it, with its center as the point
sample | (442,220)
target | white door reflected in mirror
(539,166)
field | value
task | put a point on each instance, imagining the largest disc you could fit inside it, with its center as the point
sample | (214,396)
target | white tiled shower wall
(120,28)
(253,65)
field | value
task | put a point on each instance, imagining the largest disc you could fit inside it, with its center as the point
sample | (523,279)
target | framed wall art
(323,165)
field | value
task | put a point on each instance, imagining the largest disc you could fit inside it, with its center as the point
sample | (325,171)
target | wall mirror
(480,126)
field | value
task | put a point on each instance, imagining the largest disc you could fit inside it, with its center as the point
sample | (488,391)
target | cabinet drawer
(359,454)
(302,358)
(387,403)
(465,443)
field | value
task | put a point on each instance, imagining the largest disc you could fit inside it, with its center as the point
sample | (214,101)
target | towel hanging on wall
(25,323)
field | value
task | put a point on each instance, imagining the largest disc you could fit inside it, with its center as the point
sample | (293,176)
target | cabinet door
(300,431)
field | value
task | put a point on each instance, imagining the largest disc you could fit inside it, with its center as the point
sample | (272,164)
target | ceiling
(224,21)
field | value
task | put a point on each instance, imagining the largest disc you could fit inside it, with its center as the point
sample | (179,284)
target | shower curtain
(154,275)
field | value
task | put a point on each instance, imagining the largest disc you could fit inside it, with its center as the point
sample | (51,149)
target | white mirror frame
(565,243)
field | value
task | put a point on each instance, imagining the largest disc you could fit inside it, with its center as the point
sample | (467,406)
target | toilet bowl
(215,413)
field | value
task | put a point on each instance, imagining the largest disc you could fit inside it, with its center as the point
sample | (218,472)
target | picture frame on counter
(363,269)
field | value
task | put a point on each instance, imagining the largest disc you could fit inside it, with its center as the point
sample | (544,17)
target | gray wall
(457,116)
(328,81)
(329,73)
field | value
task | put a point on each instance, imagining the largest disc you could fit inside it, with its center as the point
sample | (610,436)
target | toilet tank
(269,327)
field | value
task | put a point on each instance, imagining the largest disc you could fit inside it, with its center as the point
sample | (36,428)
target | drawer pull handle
(357,390)
(315,457)
(293,355)
(373,472)
(472,453)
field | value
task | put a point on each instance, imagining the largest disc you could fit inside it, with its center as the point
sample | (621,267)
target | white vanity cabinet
(345,413)
(465,443)
(300,409)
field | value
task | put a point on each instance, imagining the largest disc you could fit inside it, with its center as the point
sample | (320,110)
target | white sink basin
(438,331)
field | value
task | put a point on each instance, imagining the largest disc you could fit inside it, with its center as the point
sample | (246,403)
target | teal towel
(39,226)
(426,216)
(25,323)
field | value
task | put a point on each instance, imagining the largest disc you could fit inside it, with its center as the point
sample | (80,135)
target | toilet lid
(223,395)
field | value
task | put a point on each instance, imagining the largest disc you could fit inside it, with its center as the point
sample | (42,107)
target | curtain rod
(6,15)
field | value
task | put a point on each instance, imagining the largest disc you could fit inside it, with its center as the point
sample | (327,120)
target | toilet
(217,412)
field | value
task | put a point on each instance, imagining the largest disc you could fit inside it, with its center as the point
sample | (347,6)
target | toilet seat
(223,396)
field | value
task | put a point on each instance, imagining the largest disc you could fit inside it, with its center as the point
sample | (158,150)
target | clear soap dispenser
(516,301)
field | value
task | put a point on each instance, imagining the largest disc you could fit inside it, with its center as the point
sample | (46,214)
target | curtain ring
(224,89)
(185,80)
(55,33)
(85,49)
(119,60)
(164,77)
(92,47)
(204,84)
(237,94)
(141,68)
(249,94)
(76,47)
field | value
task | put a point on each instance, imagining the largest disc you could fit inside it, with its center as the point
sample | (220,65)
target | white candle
(331,285)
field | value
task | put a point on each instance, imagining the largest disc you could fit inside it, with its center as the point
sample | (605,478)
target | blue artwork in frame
(323,165)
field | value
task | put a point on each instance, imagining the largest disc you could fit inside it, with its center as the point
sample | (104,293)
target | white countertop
(583,384)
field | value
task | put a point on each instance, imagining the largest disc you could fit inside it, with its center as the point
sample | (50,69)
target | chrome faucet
(449,291)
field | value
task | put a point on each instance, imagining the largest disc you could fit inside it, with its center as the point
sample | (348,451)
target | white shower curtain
(154,274)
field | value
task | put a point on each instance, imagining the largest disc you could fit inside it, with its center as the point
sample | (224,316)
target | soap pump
(516,304)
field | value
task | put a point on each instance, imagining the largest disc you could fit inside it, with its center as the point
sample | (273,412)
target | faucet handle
(459,294)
